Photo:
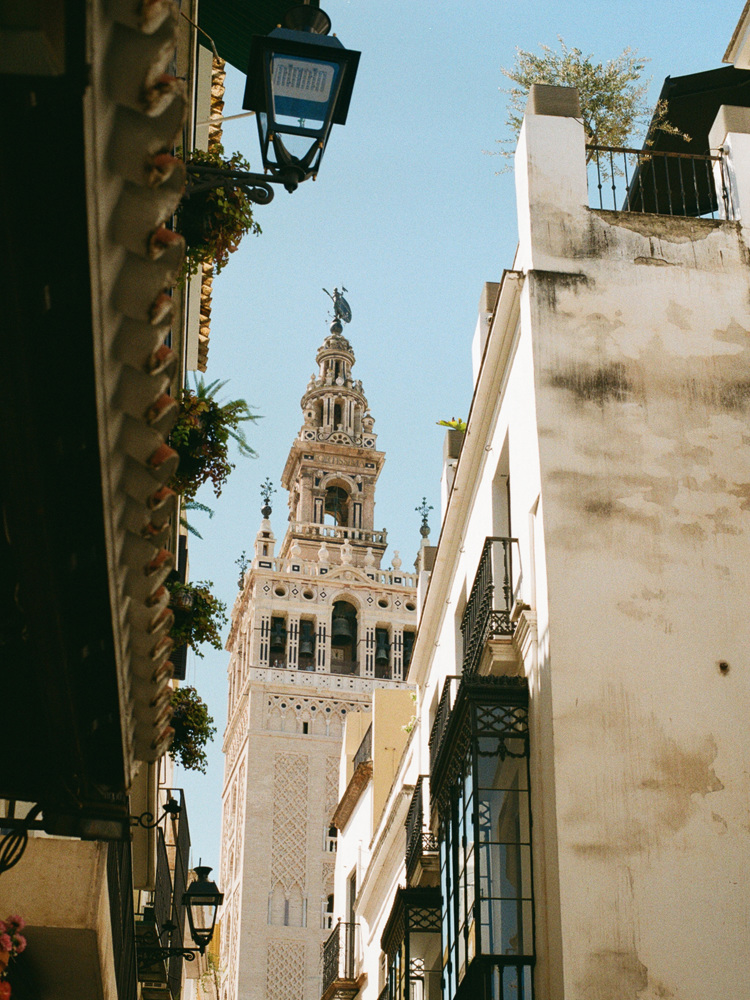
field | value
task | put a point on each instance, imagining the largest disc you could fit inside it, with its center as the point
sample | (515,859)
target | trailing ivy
(193,729)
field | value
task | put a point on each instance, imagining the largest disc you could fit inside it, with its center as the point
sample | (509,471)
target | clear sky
(410,215)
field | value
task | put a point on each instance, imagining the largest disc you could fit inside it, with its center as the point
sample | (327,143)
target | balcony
(339,963)
(421,843)
(494,593)
(162,924)
(411,940)
(445,706)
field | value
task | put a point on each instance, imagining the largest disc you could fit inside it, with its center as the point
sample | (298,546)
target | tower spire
(333,465)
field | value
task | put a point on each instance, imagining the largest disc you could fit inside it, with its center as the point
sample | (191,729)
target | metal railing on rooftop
(657,181)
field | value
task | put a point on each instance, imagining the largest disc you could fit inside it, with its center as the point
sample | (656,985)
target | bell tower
(333,464)
(316,627)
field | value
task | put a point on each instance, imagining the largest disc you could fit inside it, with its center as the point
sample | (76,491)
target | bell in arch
(382,647)
(278,635)
(306,639)
(343,624)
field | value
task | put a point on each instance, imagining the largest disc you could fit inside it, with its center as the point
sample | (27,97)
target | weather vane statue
(341,308)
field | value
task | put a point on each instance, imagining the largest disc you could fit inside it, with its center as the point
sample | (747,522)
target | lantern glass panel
(301,90)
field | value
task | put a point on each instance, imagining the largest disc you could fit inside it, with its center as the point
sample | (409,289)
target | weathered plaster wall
(641,350)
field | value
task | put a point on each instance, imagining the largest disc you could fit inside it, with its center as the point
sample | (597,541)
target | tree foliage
(193,729)
(201,437)
(613,94)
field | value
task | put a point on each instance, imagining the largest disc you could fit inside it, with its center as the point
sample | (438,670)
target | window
(485,844)
(331,841)
(327,917)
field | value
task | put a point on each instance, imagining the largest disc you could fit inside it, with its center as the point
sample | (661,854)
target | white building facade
(582,650)
(316,629)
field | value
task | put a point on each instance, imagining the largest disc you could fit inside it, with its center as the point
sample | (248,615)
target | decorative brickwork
(289,852)
(285,970)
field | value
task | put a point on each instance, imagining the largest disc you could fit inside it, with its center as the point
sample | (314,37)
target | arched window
(336,506)
(343,638)
(337,418)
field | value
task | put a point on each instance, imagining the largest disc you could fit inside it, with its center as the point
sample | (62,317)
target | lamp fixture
(299,84)
(202,900)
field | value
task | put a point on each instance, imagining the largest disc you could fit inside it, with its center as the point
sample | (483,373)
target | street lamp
(299,84)
(202,900)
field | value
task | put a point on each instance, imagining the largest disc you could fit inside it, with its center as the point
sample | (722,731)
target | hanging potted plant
(213,222)
(193,729)
(199,616)
(201,438)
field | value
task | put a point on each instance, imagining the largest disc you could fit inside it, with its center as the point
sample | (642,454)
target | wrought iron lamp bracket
(205,177)
(150,954)
(146,820)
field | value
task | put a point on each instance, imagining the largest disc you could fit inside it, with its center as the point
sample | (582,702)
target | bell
(381,650)
(278,636)
(341,631)
(306,641)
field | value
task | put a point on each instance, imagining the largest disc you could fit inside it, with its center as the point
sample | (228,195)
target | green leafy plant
(455,424)
(201,437)
(191,505)
(612,94)
(198,615)
(193,729)
(214,222)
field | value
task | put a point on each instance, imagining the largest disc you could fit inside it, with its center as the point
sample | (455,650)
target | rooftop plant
(614,105)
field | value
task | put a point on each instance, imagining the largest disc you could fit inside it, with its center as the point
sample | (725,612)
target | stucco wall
(640,327)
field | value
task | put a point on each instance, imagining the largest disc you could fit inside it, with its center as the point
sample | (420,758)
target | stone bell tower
(315,629)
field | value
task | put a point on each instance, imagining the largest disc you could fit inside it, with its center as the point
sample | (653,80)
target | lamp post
(299,84)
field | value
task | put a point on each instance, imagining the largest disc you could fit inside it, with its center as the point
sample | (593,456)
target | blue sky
(410,214)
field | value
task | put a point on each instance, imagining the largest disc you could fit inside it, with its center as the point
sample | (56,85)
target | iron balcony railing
(122,919)
(385,993)
(364,752)
(493,593)
(339,955)
(447,700)
(420,842)
(656,181)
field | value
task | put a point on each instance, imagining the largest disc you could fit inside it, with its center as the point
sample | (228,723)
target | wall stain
(654,261)
(590,384)
(613,975)
(652,793)
(552,282)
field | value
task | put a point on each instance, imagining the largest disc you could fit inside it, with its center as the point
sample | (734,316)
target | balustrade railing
(488,610)
(364,752)
(339,954)
(419,841)
(337,532)
(656,181)
(447,700)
